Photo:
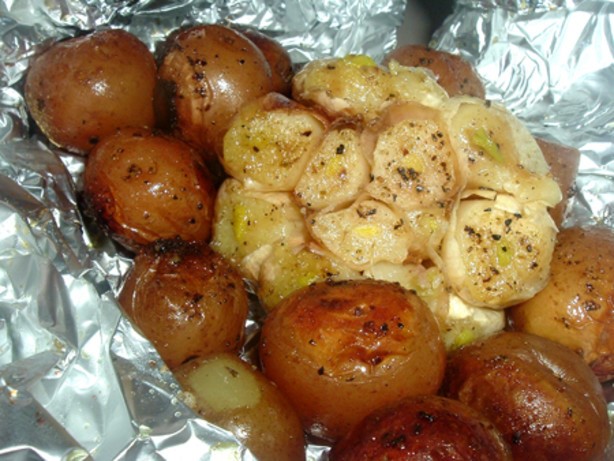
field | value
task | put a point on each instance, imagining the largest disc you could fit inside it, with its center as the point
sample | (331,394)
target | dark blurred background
(422,18)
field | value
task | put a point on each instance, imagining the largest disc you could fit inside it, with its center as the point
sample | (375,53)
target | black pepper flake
(517,438)
(340,149)
(496,237)
(321,371)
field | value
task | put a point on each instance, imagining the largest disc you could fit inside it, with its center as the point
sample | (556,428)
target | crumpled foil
(76,380)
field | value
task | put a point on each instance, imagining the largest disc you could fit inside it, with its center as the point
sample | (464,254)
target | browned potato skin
(270,429)
(339,350)
(209,72)
(429,427)
(85,88)
(278,58)
(564,162)
(577,306)
(541,396)
(186,299)
(143,187)
(453,73)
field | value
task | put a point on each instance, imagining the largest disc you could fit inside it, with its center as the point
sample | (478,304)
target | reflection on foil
(76,380)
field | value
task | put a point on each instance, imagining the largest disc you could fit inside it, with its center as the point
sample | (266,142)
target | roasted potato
(142,187)
(339,350)
(208,72)
(85,88)
(186,299)
(576,308)
(428,427)
(277,56)
(455,74)
(541,396)
(232,394)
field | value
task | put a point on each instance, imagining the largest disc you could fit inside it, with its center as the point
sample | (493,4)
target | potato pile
(389,218)
(376,172)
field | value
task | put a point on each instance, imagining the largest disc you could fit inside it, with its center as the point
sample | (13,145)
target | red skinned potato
(453,73)
(208,72)
(339,350)
(232,394)
(142,187)
(428,427)
(541,396)
(85,88)
(576,308)
(278,58)
(186,299)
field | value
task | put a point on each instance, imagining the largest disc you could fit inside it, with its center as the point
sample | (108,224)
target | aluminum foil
(76,380)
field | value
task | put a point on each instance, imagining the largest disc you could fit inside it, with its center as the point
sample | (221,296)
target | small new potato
(541,396)
(339,350)
(576,308)
(85,88)
(186,299)
(427,427)
(455,74)
(209,72)
(230,393)
(143,187)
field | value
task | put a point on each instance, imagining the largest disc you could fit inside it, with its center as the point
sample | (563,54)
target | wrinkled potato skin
(541,396)
(453,73)
(429,427)
(576,308)
(85,88)
(186,299)
(339,350)
(267,425)
(143,187)
(209,72)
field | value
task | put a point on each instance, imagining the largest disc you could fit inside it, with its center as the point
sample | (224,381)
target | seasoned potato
(423,428)
(230,393)
(143,187)
(455,74)
(576,308)
(278,58)
(269,142)
(541,396)
(84,88)
(186,299)
(209,72)
(340,350)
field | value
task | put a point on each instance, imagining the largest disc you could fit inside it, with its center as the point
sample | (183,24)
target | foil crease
(77,381)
